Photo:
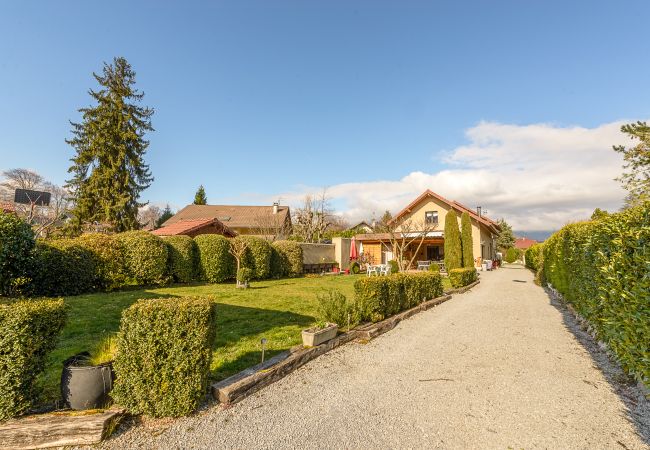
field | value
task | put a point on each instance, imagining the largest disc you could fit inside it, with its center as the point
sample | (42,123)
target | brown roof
(188,226)
(233,216)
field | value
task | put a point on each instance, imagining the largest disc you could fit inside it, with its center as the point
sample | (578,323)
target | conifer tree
(466,239)
(506,238)
(166,214)
(453,250)
(200,197)
(108,170)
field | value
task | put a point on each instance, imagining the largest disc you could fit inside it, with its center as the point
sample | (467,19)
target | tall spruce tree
(200,197)
(108,170)
(166,214)
(466,239)
(506,238)
(637,163)
(453,249)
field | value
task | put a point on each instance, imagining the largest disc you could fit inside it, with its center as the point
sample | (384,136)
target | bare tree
(271,227)
(148,216)
(54,215)
(406,238)
(238,249)
(313,217)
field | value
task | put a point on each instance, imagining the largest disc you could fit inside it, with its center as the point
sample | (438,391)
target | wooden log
(59,429)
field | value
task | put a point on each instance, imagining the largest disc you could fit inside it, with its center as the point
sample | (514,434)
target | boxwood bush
(257,256)
(377,298)
(601,268)
(216,264)
(532,256)
(512,255)
(29,330)
(110,263)
(462,277)
(183,258)
(62,267)
(16,245)
(145,256)
(164,348)
(290,258)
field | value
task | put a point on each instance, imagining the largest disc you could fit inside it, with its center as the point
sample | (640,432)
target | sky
(510,105)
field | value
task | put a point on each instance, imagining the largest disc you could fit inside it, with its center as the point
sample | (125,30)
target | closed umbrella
(361,248)
(353,249)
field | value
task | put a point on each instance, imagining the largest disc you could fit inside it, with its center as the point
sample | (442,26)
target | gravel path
(498,367)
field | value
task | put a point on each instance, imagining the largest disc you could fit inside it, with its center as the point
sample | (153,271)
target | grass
(274,309)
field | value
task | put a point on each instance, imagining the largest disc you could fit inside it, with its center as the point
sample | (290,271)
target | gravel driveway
(497,367)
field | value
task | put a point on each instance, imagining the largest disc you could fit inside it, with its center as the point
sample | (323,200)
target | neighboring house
(362,227)
(265,221)
(194,227)
(428,212)
(7,207)
(523,243)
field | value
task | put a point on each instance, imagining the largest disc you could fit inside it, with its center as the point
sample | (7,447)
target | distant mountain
(538,235)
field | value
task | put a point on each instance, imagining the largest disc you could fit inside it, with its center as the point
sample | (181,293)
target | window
(431,217)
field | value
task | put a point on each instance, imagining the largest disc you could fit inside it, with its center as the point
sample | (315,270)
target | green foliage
(244,274)
(394,267)
(257,256)
(466,240)
(599,214)
(163,355)
(62,267)
(453,249)
(355,268)
(216,264)
(377,298)
(290,253)
(166,214)
(506,238)
(533,255)
(29,331)
(110,265)
(145,256)
(334,307)
(637,162)
(108,170)
(462,277)
(601,267)
(200,197)
(16,246)
(183,258)
(512,255)
(435,268)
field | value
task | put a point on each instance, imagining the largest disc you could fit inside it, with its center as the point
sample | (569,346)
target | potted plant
(87,380)
(243,277)
(321,332)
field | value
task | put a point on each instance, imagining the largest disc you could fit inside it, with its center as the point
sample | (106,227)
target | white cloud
(539,176)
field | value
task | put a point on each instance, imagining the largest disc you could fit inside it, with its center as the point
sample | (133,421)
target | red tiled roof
(188,226)
(524,243)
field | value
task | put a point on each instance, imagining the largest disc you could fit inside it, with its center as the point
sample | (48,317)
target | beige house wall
(342,251)
(317,253)
(417,215)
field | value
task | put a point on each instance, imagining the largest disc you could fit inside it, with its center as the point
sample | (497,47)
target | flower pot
(86,387)
(316,336)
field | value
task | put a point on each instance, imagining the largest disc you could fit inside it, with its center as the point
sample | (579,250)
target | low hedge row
(379,297)
(462,277)
(532,256)
(216,264)
(29,330)
(183,258)
(289,258)
(145,257)
(257,257)
(16,246)
(601,268)
(163,355)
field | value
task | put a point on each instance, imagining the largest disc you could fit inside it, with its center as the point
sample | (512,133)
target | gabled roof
(363,223)
(233,216)
(189,226)
(452,204)
(523,243)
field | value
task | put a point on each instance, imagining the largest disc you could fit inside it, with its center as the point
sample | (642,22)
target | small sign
(29,197)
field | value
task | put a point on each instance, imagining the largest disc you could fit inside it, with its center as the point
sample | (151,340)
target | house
(265,221)
(422,221)
(523,243)
(362,226)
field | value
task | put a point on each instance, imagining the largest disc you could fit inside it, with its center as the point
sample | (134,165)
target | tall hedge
(216,264)
(62,267)
(466,240)
(532,256)
(290,258)
(512,255)
(183,258)
(164,348)
(462,277)
(453,247)
(29,331)
(145,256)
(110,265)
(602,268)
(257,256)
(16,245)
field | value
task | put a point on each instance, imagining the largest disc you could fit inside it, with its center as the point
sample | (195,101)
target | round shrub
(435,268)
(16,245)
(110,265)
(62,267)
(146,257)
(257,256)
(394,267)
(216,264)
(512,255)
(290,257)
(244,275)
(355,268)
(183,258)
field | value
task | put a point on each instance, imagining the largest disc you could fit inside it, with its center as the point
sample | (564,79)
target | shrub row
(379,297)
(532,256)
(512,255)
(16,245)
(163,355)
(462,277)
(601,268)
(28,331)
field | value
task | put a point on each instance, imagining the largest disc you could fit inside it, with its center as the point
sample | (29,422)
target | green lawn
(276,309)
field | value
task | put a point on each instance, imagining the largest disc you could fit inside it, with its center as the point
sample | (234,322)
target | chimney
(478,211)
(275,207)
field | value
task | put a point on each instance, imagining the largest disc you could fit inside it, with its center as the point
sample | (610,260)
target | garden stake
(263,342)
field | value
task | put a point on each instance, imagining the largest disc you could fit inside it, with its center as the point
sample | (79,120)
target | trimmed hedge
(602,268)
(29,330)
(110,265)
(216,264)
(164,348)
(290,258)
(462,277)
(145,255)
(62,267)
(379,297)
(453,246)
(257,256)
(532,256)
(512,255)
(466,240)
(183,258)
(16,246)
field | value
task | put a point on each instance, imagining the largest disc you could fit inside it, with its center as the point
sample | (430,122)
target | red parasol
(353,249)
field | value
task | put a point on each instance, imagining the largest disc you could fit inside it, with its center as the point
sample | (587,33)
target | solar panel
(28,197)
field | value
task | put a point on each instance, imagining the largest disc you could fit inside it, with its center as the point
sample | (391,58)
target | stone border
(463,289)
(251,380)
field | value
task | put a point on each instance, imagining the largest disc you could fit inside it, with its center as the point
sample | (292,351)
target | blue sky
(266,99)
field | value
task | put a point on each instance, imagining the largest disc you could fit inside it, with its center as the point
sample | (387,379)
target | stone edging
(251,380)
(460,290)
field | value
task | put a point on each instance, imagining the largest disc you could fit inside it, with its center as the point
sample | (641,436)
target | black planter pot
(86,387)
